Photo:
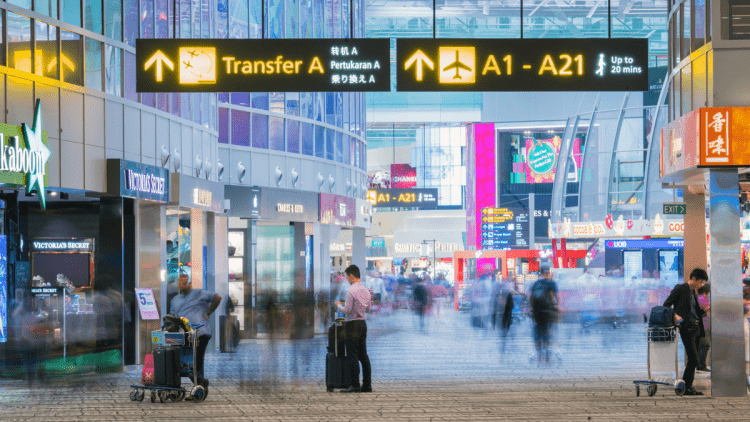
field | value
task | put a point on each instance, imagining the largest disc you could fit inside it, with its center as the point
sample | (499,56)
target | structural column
(728,377)
(359,250)
(694,253)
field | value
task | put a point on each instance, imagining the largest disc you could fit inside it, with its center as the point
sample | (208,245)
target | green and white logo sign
(24,155)
(542,158)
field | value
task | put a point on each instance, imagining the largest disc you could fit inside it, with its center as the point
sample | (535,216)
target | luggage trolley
(188,356)
(663,359)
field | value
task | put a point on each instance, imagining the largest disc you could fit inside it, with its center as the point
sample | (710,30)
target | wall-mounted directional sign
(522,64)
(262,65)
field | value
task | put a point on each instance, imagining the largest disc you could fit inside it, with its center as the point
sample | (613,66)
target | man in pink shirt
(358,300)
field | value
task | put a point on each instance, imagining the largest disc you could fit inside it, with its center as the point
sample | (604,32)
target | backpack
(541,299)
(661,316)
(173,324)
(147,373)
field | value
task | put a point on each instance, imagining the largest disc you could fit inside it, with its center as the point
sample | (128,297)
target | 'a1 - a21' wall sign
(522,64)
(261,65)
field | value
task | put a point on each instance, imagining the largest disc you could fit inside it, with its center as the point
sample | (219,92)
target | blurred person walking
(358,301)
(421,301)
(689,316)
(544,301)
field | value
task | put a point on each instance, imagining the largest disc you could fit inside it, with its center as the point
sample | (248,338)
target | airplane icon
(193,53)
(457,65)
(187,64)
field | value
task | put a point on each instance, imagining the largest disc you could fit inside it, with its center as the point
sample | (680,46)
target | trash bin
(226,333)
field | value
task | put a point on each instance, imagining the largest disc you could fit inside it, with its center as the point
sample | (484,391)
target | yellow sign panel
(197,65)
(457,65)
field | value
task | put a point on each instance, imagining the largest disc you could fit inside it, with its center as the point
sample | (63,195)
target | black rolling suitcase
(338,365)
(167,367)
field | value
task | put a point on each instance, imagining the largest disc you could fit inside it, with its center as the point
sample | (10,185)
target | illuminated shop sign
(419,248)
(522,64)
(291,208)
(136,180)
(645,244)
(412,198)
(202,197)
(145,183)
(24,155)
(59,245)
(253,65)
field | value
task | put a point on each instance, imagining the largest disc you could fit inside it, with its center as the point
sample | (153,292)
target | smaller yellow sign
(457,65)
(197,65)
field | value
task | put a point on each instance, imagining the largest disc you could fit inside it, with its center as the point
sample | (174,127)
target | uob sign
(24,155)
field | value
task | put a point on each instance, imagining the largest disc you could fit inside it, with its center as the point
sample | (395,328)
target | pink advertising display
(403,176)
(338,210)
(541,158)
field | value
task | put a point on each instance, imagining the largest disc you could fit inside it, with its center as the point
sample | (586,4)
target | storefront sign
(364,214)
(272,204)
(60,245)
(24,155)
(645,244)
(378,242)
(614,228)
(136,180)
(202,197)
(47,290)
(196,193)
(403,176)
(290,208)
(407,198)
(522,64)
(337,210)
(706,137)
(147,303)
(255,65)
(420,248)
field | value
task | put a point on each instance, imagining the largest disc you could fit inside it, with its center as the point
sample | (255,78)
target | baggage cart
(188,356)
(662,361)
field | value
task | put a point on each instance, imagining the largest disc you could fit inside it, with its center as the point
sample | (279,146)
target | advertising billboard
(541,160)
(403,176)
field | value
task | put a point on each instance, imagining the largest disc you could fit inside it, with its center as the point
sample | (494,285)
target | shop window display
(236,266)
(275,274)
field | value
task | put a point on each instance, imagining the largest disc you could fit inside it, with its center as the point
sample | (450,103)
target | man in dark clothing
(544,301)
(689,316)
(421,300)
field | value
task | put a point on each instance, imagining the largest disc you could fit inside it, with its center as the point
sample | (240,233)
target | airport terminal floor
(446,371)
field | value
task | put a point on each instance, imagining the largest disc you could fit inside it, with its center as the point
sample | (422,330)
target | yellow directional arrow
(159,58)
(421,59)
(66,61)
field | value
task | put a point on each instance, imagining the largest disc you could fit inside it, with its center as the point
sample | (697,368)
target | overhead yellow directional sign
(420,59)
(522,64)
(262,65)
(457,65)
(159,58)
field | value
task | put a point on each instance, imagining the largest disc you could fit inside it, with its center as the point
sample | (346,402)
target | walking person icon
(602,65)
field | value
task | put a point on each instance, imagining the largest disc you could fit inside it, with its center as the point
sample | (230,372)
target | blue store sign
(136,180)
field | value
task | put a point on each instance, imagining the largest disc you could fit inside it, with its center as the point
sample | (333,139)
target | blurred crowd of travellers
(603,302)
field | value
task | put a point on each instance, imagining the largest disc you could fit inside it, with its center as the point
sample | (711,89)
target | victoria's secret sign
(136,180)
(146,183)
